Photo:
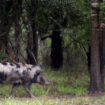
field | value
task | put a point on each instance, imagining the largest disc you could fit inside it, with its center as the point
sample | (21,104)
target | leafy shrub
(2,56)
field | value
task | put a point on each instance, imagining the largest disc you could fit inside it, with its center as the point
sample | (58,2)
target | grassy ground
(54,101)
(66,88)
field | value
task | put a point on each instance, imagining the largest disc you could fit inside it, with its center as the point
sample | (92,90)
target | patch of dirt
(99,94)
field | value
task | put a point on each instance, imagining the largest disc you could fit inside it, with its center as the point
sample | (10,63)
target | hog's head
(39,77)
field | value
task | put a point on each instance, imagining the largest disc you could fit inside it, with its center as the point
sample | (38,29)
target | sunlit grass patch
(54,101)
(35,101)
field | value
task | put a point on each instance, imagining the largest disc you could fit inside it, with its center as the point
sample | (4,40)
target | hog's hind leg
(14,88)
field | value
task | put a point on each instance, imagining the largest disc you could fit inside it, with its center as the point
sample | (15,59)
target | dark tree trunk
(17,29)
(95,75)
(6,22)
(35,29)
(29,33)
(35,40)
(88,57)
(102,48)
(56,50)
(102,54)
(17,43)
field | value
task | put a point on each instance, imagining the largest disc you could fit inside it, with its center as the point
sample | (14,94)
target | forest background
(67,36)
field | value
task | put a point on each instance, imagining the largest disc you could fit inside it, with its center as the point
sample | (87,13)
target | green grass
(53,101)
(64,89)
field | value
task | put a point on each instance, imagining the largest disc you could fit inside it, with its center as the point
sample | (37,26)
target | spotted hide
(21,74)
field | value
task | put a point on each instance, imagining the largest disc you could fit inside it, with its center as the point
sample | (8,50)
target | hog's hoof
(11,96)
(32,96)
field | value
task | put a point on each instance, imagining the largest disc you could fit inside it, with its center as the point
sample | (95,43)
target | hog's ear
(40,64)
(38,72)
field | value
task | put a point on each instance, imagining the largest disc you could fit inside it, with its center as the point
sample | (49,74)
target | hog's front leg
(27,88)
(14,88)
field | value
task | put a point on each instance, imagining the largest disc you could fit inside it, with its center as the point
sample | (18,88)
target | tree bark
(29,33)
(17,29)
(102,48)
(102,54)
(5,22)
(88,57)
(95,75)
(56,50)
(35,29)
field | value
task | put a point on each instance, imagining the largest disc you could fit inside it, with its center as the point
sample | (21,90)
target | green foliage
(3,56)
(59,11)
(101,7)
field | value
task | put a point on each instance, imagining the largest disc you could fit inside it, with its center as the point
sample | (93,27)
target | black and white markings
(4,63)
(21,74)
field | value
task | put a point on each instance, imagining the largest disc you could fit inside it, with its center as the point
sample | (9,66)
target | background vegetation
(56,33)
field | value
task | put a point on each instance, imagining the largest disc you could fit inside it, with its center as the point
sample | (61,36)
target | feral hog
(21,74)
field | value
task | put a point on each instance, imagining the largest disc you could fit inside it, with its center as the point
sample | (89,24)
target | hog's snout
(47,83)
(42,80)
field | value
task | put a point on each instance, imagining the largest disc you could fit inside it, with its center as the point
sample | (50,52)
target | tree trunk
(17,29)
(5,23)
(88,57)
(102,48)
(35,39)
(35,29)
(29,33)
(102,54)
(95,76)
(56,50)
